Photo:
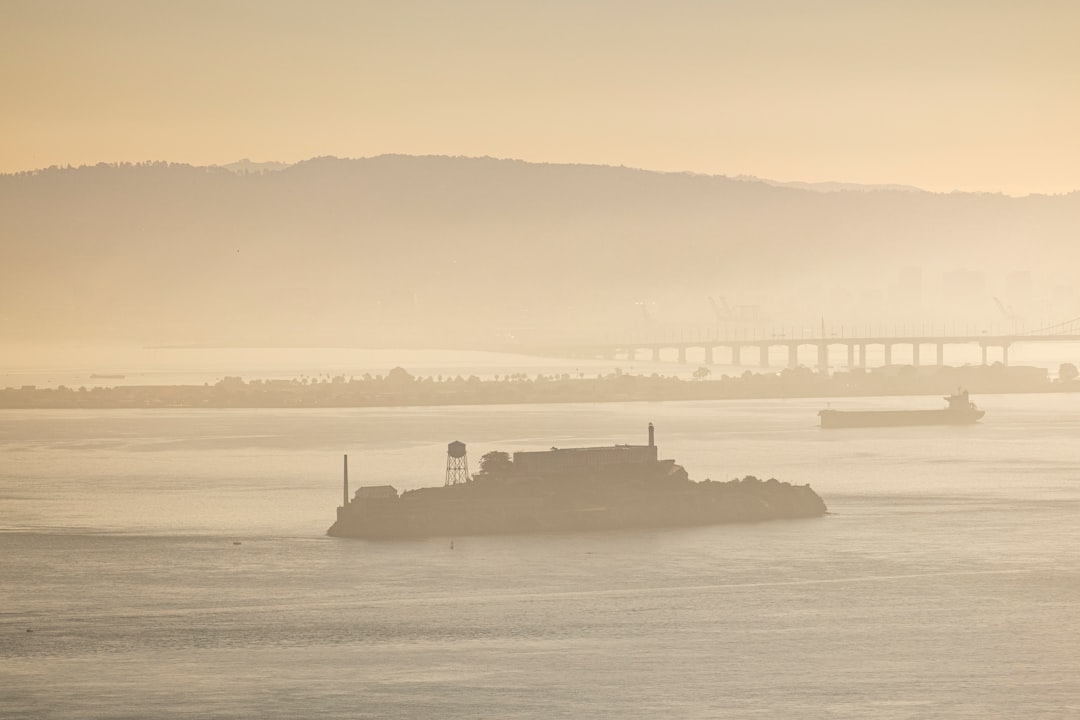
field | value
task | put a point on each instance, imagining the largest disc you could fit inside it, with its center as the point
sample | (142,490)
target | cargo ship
(959,411)
(565,489)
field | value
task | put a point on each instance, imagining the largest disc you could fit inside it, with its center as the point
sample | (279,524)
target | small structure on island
(457,463)
(346,501)
(364,495)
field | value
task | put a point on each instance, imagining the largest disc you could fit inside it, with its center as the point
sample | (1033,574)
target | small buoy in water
(451,544)
(237,543)
(29,630)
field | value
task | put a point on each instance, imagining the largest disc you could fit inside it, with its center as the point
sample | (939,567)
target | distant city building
(963,289)
(906,294)
(1018,287)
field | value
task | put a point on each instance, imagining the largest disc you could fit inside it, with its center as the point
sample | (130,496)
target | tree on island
(496,464)
(399,377)
(701,373)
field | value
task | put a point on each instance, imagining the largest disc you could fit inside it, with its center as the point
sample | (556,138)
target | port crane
(739,314)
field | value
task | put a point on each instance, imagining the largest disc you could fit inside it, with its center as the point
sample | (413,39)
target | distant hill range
(472,251)
(827,186)
(245,166)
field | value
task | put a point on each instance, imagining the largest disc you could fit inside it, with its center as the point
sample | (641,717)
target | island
(619,487)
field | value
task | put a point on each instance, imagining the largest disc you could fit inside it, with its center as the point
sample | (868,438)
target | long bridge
(734,345)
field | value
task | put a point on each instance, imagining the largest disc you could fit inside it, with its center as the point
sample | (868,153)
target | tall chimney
(345,503)
(652,436)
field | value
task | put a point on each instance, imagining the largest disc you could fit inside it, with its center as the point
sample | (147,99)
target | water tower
(457,463)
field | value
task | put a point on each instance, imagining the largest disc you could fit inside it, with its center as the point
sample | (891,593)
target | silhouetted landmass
(400,251)
(399,388)
(615,487)
(658,494)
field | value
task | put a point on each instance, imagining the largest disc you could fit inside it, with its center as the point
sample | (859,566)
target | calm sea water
(946,583)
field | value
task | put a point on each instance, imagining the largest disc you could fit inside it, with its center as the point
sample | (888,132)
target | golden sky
(980,95)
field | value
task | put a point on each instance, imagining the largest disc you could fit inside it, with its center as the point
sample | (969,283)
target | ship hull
(831,419)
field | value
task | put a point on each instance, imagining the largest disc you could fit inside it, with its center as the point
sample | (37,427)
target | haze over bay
(638,289)
(452,252)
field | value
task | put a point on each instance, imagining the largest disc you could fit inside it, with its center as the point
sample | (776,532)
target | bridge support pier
(715,349)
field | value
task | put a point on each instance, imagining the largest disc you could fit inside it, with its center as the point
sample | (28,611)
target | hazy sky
(979,95)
